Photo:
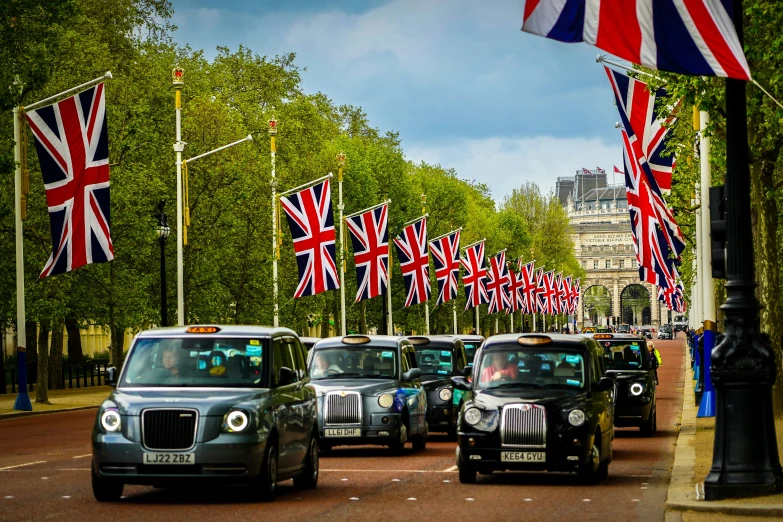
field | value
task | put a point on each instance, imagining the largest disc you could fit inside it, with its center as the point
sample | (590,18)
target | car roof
(471,337)
(225,330)
(558,340)
(615,336)
(309,339)
(435,340)
(392,341)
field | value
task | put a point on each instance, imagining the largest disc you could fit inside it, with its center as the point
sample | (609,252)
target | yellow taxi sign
(202,329)
(419,340)
(356,339)
(535,339)
(603,336)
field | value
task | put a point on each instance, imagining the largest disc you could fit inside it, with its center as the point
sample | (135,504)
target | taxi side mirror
(285,376)
(110,379)
(412,374)
(605,384)
(467,371)
(460,383)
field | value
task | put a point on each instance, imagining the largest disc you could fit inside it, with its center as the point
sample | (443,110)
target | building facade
(612,293)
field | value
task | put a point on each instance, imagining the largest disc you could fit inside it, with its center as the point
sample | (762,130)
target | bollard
(92,375)
(70,377)
(84,374)
(708,402)
(699,389)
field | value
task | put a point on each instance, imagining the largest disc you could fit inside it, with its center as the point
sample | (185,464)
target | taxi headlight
(385,400)
(472,416)
(236,421)
(111,420)
(445,394)
(576,417)
(637,388)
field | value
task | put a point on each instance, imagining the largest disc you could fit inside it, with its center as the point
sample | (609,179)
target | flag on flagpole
(445,256)
(71,138)
(414,262)
(516,298)
(474,278)
(370,237)
(527,272)
(497,284)
(310,219)
(695,37)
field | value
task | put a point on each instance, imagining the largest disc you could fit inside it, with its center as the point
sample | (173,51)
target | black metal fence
(73,376)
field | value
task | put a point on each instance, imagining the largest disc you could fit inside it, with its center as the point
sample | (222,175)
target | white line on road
(23,465)
(82,456)
(74,469)
(452,468)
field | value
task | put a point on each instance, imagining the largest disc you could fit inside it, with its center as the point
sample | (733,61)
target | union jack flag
(639,112)
(575,294)
(516,298)
(497,284)
(567,297)
(310,219)
(414,261)
(73,149)
(560,293)
(548,294)
(445,255)
(694,37)
(475,276)
(527,273)
(673,297)
(540,308)
(370,237)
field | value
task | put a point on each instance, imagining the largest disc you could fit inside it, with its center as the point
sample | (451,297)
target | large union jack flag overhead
(445,255)
(640,112)
(527,272)
(73,148)
(310,219)
(370,237)
(682,36)
(497,284)
(414,262)
(474,278)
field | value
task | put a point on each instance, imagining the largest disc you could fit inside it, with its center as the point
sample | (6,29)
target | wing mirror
(467,371)
(285,376)
(605,384)
(460,383)
(110,378)
(412,374)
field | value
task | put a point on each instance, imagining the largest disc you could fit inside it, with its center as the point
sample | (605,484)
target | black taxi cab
(441,357)
(208,404)
(540,402)
(627,361)
(472,343)
(369,392)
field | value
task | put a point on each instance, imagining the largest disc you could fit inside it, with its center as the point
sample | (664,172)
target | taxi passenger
(499,369)
(170,360)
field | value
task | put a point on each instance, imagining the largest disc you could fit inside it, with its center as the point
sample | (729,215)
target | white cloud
(506,163)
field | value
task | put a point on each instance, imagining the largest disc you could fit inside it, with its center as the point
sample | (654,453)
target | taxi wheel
(398,446)
(595,469)
(420,444)
(267,480)
(651,426)
(309,477)
(104,490)
(467,472)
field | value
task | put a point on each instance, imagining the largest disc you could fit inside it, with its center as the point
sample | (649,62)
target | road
(45,473)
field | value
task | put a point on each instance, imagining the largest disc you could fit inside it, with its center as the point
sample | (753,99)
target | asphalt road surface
(45,473)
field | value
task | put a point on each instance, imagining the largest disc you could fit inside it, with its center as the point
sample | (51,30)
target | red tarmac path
(45,462)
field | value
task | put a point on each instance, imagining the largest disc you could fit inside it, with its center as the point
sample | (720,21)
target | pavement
(45,472)
(61,400)
(685,500)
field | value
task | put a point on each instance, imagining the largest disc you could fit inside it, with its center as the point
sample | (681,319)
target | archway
(597,301)
(635,305)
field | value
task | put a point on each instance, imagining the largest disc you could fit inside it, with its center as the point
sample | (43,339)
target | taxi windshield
(624,355)
(531,368)
(233,362)
(434,361)
(373,362)
(470,350)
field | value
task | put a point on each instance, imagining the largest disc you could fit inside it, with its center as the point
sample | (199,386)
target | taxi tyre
(309,477)
(595,470)
(398,446)
(649,428)
(420,444)
(266,484)
(105,490)
(467,471)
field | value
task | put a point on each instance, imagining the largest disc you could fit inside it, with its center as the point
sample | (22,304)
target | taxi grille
(523,425)
(343,408)
(169,429)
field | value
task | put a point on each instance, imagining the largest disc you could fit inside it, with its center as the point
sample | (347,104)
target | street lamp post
(745,459)
(163,234)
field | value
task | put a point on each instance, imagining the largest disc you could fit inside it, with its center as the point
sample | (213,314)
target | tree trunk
(75,355)
(363,317)
(765,230)
(56,356)
(325,321)
(31,331)
(42,390)
(117,346)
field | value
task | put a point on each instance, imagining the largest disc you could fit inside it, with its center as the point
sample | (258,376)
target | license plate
(343,432)
(170,458)
(523,456)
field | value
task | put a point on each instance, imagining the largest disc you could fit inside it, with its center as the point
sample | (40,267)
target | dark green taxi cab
(540,402)
(369,392)
(208,404)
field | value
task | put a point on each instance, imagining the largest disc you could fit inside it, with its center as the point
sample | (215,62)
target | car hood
(363,386)
(207,401)
(624,375)
(492,400)
(433,382)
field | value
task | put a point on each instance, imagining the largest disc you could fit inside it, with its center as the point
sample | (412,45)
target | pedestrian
(655,358)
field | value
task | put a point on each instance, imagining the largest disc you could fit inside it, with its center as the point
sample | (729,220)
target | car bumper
(230,458)
(378,432)
(631,414)
(442,417)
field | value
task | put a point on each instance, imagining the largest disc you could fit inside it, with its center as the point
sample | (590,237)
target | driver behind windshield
(324,366)
(499,369)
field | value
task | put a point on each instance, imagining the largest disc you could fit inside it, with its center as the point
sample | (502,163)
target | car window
(282,357)
(434,361)
(597,370)
(363,361)
(301,358)
(624,355)
(470,350)
(410,355)
(295,357)
(459,350)
(531,367)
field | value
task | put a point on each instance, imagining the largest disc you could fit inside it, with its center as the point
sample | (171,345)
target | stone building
(612,293)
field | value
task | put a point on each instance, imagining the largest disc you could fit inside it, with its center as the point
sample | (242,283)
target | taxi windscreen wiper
(517,385)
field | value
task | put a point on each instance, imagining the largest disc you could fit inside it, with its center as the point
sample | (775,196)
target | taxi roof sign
(202,329)
(356,339)
(535,339)
(419,340)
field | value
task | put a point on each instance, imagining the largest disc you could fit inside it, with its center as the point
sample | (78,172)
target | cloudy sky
(457,79)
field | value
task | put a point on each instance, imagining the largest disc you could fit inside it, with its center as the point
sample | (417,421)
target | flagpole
(96,81)
(708,398)
(306,185)
(349,216)
(22,402)
(341,208)
(272,130)
(179,147)
(389,320)
(426,299)
(454,313)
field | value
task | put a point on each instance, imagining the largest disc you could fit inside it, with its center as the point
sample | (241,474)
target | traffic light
(718,231)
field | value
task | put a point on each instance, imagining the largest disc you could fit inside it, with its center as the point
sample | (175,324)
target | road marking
(354,498)
(82,456)
(635,500)
(66,496)
(411,498)
(452,468)
(388,471)
(344,479)
(470,499)
(44,478)
(447,481)
(23,465)
(528,500)
(395,480)
(8,496)
(74,469)
(586,500)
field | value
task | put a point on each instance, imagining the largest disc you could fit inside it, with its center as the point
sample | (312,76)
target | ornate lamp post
(163,234)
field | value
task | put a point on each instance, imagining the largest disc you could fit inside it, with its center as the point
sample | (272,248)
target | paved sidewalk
(686,490)
(61,400)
